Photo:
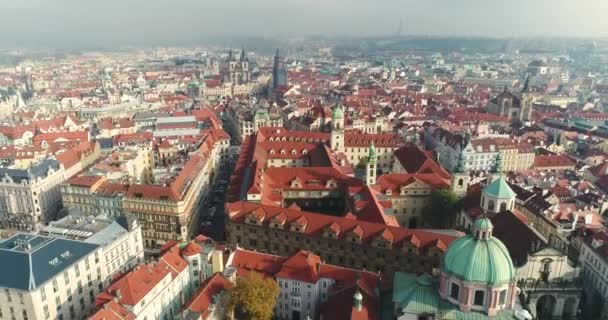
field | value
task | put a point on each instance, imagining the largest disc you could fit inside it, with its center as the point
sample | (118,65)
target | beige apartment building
(169,211)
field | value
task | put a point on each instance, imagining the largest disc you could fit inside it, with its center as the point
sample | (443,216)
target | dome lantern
(482,229)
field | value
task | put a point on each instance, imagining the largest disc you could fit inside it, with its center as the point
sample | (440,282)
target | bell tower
(371,166)
(527,98)
(337,129)
(460,177)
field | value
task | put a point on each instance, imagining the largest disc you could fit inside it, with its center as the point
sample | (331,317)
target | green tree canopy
(362,163)
(441,212)
(253,297)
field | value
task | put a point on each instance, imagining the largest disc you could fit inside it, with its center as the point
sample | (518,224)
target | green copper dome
(337,113)
(499,189)
(479,258)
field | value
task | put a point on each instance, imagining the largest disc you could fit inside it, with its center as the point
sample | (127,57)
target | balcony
(554,285)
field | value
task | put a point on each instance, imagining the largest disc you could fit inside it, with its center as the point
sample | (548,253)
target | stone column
(465,299)
(575,307)
(512,295)
(558,308)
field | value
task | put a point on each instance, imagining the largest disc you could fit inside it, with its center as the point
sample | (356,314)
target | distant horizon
(111,23)
(247,40)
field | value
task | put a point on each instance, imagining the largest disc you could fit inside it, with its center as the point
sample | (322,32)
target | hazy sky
(85,22)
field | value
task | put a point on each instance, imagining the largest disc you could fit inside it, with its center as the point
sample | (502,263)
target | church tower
(370,169)
(337,129)
(460,177)
(244,64)
(527,98)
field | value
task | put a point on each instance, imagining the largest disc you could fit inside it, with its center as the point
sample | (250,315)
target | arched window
(460,182)
(491,205)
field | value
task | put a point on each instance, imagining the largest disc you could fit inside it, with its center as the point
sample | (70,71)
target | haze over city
(158,22)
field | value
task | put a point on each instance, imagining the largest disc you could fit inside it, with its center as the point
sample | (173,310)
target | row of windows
(478,297)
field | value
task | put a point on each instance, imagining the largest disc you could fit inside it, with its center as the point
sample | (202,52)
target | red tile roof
(395,181)
(307,267)
(191,249)
(382,140)
(317,223)
(49,137)
(549,161)
(16,132)
(207,115)
(137,137)
(112,310)
(415,160)
(84,181)
(68,158)
(339,305)
(134,286)
(131,288)
(204,298)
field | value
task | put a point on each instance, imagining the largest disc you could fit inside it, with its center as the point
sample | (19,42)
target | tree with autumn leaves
(253,297)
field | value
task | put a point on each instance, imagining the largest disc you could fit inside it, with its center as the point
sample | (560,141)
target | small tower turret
(482,229)
(370,173)
(337,129)
(358,301)
(460,177)
(496,169)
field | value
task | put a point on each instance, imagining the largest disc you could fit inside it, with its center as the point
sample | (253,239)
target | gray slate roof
(29,260)
(39,170)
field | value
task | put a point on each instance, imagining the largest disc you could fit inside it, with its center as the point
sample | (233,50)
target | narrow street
(212,210)
(212,214)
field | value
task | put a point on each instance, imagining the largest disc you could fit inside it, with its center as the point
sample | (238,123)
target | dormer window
(283,151)
(331,183)
(272,151)
(295,183)
(293,152)
(304,151)
(389,192)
